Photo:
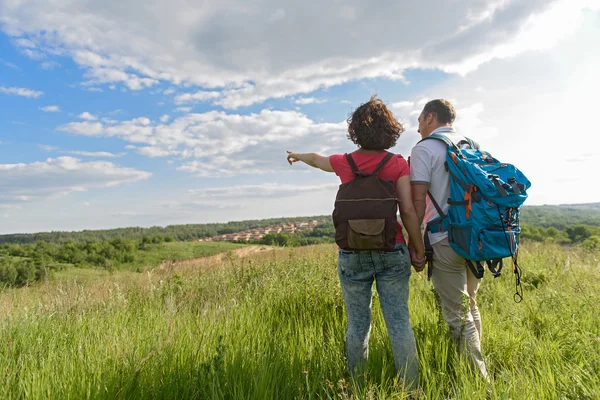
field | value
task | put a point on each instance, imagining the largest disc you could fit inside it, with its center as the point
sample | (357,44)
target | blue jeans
(390,271)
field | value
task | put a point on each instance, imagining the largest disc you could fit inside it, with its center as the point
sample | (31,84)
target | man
(452,280)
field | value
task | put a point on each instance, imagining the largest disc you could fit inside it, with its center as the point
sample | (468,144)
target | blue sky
(138,113)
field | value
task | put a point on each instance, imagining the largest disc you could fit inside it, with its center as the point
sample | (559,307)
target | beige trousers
(457,288)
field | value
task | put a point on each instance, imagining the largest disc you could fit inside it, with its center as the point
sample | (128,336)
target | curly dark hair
(372,126)
(442,109)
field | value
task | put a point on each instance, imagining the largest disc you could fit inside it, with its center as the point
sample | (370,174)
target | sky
(144,113)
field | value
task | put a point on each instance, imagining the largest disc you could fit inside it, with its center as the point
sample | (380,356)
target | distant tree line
(177,232)
(586,236)
(559,217)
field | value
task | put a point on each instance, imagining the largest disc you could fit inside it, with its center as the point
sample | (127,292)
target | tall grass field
(270,324)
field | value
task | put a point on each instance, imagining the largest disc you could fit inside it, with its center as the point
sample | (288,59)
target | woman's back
(392,171)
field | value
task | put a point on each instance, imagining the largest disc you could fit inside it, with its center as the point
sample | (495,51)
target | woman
(374,129)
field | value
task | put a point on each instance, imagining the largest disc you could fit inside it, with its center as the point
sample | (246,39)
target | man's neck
(438,127)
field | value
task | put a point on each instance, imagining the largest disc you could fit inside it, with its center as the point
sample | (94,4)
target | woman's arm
(313,159)
(410,220)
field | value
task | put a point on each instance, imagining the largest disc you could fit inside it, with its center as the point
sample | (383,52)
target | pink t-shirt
(392,170)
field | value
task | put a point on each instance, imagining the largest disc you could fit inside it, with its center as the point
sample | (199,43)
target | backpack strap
(450,143)
(387,158)
(355,170)
(495,266)
(352,163)
(476,268)
(441,137)
(436,205)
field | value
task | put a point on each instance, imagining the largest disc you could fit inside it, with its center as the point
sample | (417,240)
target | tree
(278,239)
(578,233)
(552,232)
(592,243)
(8,275)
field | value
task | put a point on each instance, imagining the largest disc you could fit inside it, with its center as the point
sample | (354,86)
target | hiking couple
(374,129)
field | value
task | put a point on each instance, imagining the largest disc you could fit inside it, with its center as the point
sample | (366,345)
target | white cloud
(239,54)
(25,43)
(164,118)
(403,106)
(310,100)
(47,147)
(150,151)
(470,123)
(538,31)
(83,128)
(247,197)
(86,203)
(211,139)
(183,109)
(59,177)
(47,65)
(125,214)
(109,75)
(97,154)
(201,205)
(21,92)
(530,118)
(9,64)
(87,116)
(198,96)
(262,190)
(50,109)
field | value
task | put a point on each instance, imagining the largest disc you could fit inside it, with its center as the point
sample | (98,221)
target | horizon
(246,220)
(189,119)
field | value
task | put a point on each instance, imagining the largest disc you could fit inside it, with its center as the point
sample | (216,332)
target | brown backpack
(364,215)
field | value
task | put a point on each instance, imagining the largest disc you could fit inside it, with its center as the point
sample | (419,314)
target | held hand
(417,259)
(419,265)
(292,158)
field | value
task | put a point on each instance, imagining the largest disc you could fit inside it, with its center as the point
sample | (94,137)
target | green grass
(153,256)
(271,326)
(177,251)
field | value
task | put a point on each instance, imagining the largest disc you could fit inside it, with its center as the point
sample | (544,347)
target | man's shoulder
(430,145)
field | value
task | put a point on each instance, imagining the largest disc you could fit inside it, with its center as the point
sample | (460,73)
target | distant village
(259,233)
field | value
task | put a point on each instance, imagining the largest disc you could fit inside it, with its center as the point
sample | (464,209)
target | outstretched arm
(313,159)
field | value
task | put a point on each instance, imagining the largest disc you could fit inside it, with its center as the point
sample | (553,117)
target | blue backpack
(483,217)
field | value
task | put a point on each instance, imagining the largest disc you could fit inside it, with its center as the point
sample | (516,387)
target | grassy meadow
(268,323)
(178,251)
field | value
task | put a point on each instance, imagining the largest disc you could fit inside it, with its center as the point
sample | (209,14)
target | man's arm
(420,177)
(419,198)
(313,159)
